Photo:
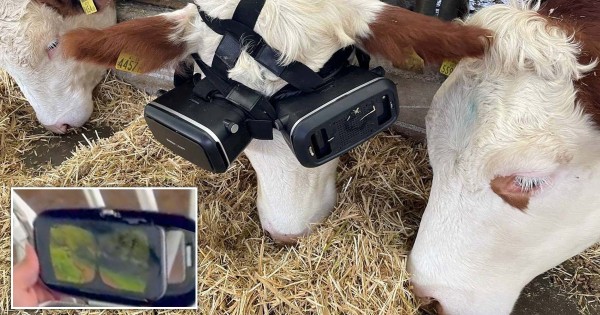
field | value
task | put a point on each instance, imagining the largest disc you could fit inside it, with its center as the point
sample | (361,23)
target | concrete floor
(541,297)
(57,149)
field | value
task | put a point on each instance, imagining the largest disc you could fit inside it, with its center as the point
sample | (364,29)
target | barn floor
(540,297)
(53,150)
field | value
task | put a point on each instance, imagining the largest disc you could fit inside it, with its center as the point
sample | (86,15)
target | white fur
(291,198)
(59,90)
(512,112)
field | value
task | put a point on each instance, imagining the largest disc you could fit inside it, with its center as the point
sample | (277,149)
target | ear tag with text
(448,67)
(129,63)
(88,6)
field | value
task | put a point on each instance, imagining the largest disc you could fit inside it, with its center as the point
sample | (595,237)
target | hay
(116,104)
(353,264)
(16,127)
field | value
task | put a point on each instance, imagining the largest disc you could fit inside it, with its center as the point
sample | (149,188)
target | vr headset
(137,258)
(322,115)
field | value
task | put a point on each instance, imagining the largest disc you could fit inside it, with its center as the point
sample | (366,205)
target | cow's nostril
(284,239)
(283,235)
(63,128)
(430,305)
(438,307)
(427,303)
(58,128)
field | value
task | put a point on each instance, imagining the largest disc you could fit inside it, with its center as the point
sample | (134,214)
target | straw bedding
(353,264)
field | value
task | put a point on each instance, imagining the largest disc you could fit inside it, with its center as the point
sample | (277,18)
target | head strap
(238,34)
(261,111)
(247,12)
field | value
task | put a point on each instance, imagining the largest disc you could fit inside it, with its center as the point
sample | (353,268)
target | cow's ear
(73,7)
(153,41)
(63,7)
(396,30)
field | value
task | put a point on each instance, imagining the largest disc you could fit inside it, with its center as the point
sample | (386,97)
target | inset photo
(104,248)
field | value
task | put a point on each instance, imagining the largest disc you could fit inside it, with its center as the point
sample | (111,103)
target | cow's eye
(52,45)
(51,48)
(530,184)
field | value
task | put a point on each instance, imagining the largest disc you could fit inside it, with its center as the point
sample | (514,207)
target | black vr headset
(322,115)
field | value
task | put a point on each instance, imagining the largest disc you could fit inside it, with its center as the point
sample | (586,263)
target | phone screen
(109,258)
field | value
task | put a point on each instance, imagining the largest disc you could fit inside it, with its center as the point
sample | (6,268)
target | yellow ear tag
(447,67)
(88,6)
(129,63)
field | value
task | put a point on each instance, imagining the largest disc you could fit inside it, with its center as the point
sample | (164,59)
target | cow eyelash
(53,45)
(529,184)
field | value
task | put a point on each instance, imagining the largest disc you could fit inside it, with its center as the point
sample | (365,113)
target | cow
(59,90)
(291,198)
(513,142)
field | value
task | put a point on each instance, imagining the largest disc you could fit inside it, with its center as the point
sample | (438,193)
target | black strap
(336,63)
(183,73)
(235,28)
(363,59)
(205,90)
(296,73)
(224,85)
(230,47)
(238,34)
(247,12)
(256,105)
(227,53)
(213,23)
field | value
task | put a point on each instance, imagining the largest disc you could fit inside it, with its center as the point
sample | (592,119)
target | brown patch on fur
(581,18)
(502,187)
(147,39)
(73,7)
(434,40)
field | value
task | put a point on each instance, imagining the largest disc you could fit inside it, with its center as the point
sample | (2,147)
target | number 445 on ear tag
(88,6)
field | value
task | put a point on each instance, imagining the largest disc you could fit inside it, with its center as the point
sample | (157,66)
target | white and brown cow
(59,90)
(290,197)
(514,144)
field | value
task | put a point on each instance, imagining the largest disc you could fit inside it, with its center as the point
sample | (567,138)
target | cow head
(59,90)
(516,160)
(290,197)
